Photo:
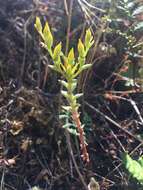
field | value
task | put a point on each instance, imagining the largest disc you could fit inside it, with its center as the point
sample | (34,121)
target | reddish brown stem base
(76,119)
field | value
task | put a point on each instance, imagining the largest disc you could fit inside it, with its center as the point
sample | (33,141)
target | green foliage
(69,125)
(135,168)
(123,17)
(68,66)
(125,23)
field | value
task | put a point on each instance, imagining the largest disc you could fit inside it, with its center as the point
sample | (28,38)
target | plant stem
(76,119)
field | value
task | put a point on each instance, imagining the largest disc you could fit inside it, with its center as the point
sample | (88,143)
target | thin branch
(91,6)
(69,25)
(113,122)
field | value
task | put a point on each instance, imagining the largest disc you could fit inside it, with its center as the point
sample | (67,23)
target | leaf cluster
(135,168)
(67,66)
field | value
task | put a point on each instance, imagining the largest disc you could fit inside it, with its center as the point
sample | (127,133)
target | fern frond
(135,168)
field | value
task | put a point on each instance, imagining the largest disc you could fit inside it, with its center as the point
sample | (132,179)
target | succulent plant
(70,68)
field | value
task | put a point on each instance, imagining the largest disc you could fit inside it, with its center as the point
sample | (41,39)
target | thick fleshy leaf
(71,57)
(67,108)
(86,66)
(67,125)
(65,93)
(57,51)
(64,83)
(51,66)
(73,86)
(78,95)
(73,131)
(75,68)
(48,38)
(81,49)
(88,38)
(38,25)
(63,116)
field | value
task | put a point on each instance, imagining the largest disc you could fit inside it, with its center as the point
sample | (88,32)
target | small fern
(135,168)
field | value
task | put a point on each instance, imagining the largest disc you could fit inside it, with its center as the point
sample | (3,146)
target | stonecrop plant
(70,68)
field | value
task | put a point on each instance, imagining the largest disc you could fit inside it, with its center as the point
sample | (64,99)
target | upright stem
(76,119)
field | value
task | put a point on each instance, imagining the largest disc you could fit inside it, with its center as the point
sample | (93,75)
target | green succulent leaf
(67,108)
(69,68)
(57,51)
(73,85)
(52,67)
(48,38)
(88,39)
(81,61)
(63,116)
(73,131)
(78,95)
(38,25)
(84,67)
(71,128)
(64,83)
(75,68)
(68,125)
(65,93)
(71,57)
(81,49)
